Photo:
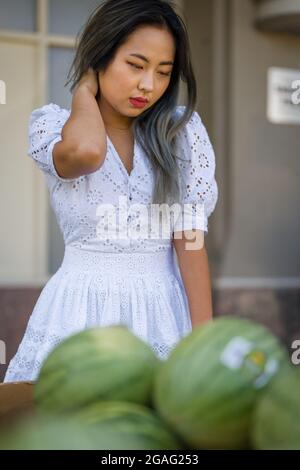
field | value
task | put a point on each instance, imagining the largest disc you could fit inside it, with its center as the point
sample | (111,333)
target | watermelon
(46,433)
(105,363)
(126,426)
(276,419)
(208,386)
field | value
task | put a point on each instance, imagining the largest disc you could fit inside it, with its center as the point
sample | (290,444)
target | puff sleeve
(45,125)
(200,190)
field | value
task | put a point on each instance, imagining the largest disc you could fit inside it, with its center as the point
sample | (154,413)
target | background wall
(256,224)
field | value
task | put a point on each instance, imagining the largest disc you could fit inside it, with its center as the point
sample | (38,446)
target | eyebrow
(140,56)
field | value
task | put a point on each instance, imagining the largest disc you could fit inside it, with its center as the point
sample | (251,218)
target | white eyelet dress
(103,279)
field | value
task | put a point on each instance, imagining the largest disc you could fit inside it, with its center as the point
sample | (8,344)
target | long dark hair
(107,28)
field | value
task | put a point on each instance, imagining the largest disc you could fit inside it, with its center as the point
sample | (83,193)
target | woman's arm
(195,273)
(82,149)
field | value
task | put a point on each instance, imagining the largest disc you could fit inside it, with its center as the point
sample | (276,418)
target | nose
(146,82)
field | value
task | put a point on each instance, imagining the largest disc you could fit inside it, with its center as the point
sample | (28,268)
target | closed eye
(167,74)
(133,65)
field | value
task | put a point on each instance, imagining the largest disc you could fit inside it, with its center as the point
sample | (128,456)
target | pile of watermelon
(227,385)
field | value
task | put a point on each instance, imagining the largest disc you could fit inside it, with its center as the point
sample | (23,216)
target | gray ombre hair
(107,28)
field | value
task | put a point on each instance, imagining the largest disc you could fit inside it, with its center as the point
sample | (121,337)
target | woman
(124,149)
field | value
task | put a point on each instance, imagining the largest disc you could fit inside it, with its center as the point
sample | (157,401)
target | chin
(134,111)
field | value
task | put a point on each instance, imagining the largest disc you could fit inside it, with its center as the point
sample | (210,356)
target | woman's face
(129,76)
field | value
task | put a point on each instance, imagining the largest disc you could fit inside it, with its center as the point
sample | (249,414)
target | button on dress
(105,277)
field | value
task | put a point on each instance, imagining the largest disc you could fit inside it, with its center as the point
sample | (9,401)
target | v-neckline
(120,161)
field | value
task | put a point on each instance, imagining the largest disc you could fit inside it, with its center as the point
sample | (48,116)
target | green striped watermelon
(126,426)
(46,433)
(105,363)
(207,388)
(276,419)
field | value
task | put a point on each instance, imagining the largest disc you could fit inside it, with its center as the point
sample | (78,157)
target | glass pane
(18,15)
(59,62)
(66,17)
